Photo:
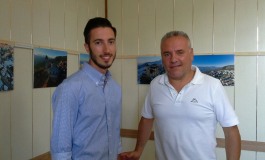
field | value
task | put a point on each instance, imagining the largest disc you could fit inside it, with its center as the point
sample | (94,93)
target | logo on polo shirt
(194,100)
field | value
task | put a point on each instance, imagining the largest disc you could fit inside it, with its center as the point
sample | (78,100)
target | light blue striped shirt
(86,117)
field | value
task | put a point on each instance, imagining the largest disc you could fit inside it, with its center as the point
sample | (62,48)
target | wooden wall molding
(131,133)
(45,156)
(245,145)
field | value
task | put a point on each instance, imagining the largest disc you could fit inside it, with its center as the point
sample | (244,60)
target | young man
(185,106)
(87,105)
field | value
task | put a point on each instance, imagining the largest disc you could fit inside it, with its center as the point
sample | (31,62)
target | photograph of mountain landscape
(218,66)
(83,58)
(50,67)
(148,68)
(6,67)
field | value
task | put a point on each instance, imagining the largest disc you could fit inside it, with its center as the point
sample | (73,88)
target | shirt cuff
(62,156)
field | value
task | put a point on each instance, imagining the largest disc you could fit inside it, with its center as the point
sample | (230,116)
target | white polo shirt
(185,122)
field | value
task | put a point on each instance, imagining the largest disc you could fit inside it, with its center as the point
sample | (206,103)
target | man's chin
(105,66)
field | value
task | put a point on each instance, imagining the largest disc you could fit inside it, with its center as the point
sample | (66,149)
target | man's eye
(180,52)
(112,42)
(98,42)
(166,54)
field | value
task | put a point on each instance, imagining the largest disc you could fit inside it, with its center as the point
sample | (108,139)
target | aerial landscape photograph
(218,66)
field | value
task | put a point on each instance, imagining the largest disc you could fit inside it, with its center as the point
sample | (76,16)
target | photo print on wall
(218,66)
(83,58)
(6,67)
(148,68)
(50,67)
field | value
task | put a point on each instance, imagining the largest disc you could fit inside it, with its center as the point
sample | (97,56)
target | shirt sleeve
(225,113)
(147,108)
(64,111)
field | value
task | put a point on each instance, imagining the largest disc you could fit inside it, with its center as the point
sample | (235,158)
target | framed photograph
(148,68)
(217,66)
(6,67)
(83,58)
(50,67)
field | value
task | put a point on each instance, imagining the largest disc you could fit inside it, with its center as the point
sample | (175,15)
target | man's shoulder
(158,79)
(210,79)
(76,76)
(74,80)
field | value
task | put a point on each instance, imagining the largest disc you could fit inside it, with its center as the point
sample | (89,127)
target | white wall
(25,113)
(215,27)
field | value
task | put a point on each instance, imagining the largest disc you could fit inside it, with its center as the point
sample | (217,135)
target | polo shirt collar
(198,77)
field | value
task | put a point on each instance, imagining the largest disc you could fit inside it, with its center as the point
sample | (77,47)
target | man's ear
(86,47)
(192,53)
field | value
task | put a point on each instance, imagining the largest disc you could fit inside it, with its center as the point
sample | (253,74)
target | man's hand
(133,155)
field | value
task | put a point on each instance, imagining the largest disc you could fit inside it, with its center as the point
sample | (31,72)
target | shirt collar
(197,79)
(99,78)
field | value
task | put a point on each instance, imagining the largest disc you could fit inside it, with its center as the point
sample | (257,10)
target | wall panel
(260,156)
(202,35)
(5,17)
(246,26)
(247,155)
(57,24)
(130,94)
(21,26)
(261,25)
(143,90)
(261,99)
(128,144)
(164,19)
(101,8)
(5,125)
(40,22)
(70,25)
(116,71)
(82,19)
(97,9)
(21,106)
(183,16)
(149,148)
(245,95)
(230,91)
(51,113)
(41,121)
(73,64)
(115,16)
(224,26)
(147,30)
(130,28)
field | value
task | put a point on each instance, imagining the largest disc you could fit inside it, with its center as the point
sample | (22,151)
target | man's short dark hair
(95,23)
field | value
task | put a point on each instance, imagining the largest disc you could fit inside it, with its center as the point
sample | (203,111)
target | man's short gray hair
(176,34)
